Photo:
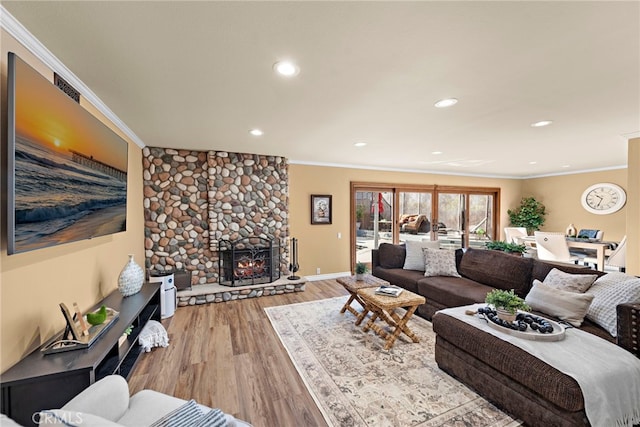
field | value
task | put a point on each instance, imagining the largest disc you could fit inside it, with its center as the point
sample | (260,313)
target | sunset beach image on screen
(69,170)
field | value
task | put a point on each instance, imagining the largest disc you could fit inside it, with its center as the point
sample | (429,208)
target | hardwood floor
(227,356)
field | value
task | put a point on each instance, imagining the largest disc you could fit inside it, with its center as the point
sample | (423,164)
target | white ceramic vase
(131,278)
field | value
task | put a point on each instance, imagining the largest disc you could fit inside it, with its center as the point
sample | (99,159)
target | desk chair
(511,233)
(616,258)
(553,247)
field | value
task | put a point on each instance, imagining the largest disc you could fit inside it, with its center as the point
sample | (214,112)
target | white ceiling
(198,75)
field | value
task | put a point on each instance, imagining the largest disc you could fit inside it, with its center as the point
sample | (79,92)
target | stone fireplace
(196,203)
(249,261)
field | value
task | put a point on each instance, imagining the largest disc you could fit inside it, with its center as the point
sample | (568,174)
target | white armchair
(106,403)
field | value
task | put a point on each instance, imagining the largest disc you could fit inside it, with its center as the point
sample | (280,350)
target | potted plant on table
(506,303)
(361,269)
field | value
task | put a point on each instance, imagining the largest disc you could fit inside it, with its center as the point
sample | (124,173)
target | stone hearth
(211,293)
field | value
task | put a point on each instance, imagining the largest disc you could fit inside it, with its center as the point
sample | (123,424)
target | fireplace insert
(249,261)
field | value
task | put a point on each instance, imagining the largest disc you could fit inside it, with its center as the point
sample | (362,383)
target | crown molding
(12,26)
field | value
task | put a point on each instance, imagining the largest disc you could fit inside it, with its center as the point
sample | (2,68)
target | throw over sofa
(513,379)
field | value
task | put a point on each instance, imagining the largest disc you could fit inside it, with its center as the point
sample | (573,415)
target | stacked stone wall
(194,199)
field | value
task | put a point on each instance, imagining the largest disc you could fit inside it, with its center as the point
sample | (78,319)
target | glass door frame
(396,189)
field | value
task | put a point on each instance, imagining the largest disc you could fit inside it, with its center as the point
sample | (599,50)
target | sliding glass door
(465,218)
(373,221)
(459,217)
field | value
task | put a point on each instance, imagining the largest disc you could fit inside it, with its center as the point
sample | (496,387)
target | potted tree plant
(361,269)
(530,214)
(506,303)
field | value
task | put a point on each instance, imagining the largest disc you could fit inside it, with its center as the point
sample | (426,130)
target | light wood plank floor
(227,356)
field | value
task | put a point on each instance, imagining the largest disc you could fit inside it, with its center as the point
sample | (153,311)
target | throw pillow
(565,305)
(440,262)
(558,279)
(391,256)
(415,258)
(609,291)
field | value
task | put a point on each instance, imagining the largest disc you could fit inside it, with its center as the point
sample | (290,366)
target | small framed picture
(320,209)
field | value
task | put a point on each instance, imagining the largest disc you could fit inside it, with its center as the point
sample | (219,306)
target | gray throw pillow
(558,279)
(440,262)
(609,291)
(565,305)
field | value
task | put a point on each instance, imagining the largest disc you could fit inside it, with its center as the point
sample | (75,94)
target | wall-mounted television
(67,171)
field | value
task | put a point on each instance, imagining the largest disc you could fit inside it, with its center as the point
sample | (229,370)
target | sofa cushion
(391,256)
(414,259)
(407,279)
(557,279)
(497,270)
(452,291)
(565,305)
(609,291)
(440,262)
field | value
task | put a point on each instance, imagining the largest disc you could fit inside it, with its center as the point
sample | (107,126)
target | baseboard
(327,276)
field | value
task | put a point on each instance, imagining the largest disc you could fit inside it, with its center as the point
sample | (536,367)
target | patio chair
(553,247)
(512,233)
(416,225)
(616,258)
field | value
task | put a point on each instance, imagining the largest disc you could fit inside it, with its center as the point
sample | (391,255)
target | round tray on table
(529,334)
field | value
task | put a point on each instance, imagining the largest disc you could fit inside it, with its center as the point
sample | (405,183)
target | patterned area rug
(355,382)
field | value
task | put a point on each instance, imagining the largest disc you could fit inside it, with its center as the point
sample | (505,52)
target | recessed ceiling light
(541,123)
(436,152)
(448,102)
(359,144)
(286,68)
(566,166)
(256,132)
(533,163)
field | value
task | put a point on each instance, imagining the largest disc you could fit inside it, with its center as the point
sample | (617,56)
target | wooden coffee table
(352,286)
(384,307)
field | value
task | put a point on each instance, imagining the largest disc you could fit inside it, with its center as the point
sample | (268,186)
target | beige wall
(32,284)
(633,208)
(561,195)
(319,245)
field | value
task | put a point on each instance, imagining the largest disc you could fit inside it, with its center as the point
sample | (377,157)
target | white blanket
(608,375)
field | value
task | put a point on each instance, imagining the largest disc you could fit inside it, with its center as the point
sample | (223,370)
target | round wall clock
(603,198)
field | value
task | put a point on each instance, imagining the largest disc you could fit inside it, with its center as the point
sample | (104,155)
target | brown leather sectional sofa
(514,380)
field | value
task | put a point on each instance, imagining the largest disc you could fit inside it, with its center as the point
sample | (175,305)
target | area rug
(355,382)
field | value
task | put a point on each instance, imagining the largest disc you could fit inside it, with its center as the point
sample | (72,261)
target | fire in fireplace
(249,261)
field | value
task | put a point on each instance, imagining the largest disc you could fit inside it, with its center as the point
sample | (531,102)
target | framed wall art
(321,209)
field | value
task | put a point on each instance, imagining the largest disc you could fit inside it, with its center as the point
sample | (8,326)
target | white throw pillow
(565,305)
(558,279)
(440,262)
(609,291)
(415,258)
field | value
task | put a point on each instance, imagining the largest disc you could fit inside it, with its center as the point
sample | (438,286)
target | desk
(599,247)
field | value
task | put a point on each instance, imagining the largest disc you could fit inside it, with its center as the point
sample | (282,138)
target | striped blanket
(191,415)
